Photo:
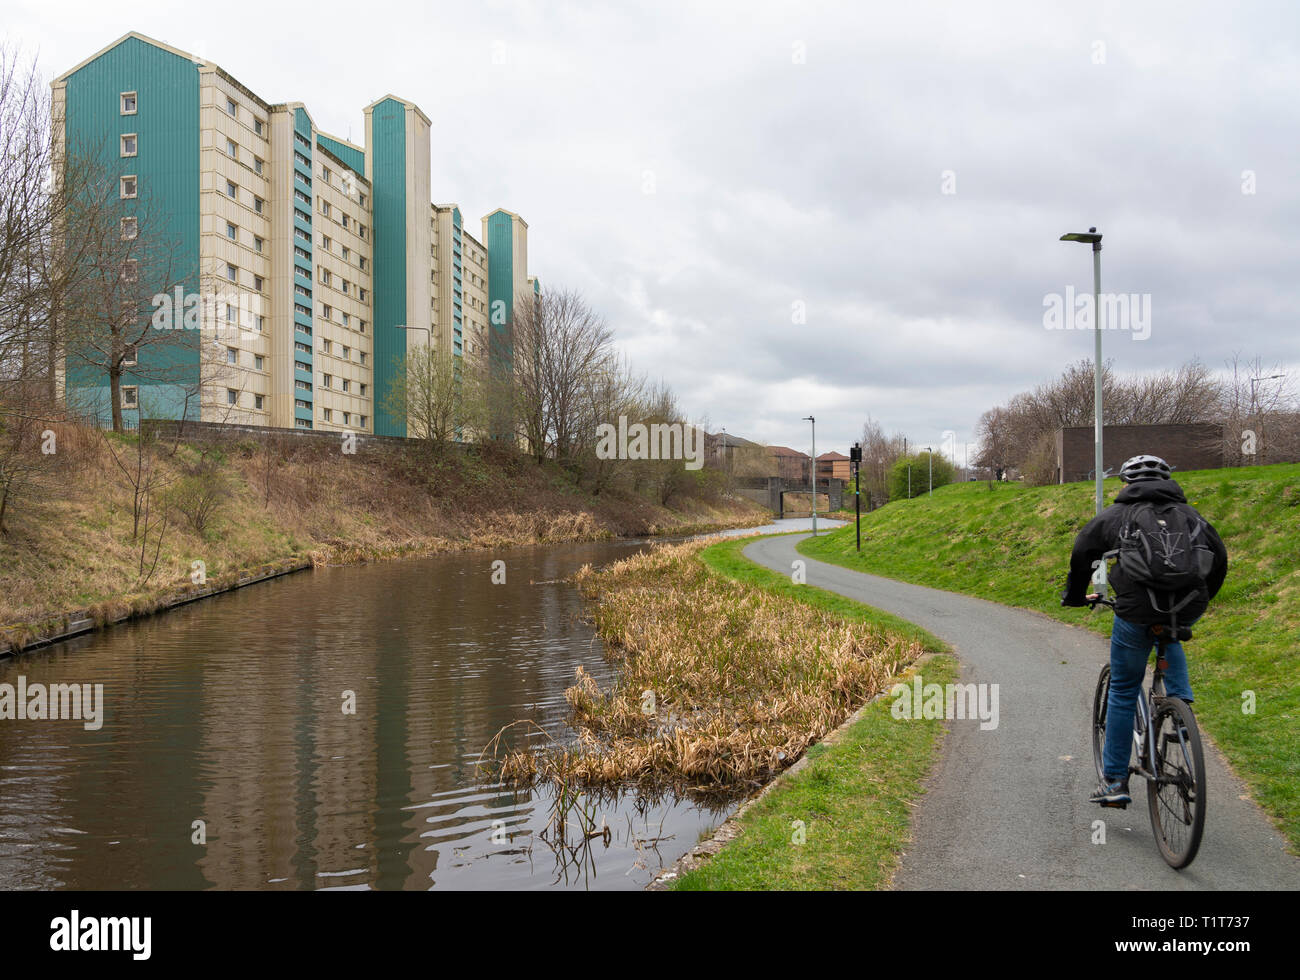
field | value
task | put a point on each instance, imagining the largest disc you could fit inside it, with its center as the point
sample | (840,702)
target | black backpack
(1163,550)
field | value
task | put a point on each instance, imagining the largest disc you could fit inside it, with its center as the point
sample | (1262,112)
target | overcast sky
(711,174)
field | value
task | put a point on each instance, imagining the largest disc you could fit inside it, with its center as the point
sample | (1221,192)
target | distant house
(833,466)
(790,464)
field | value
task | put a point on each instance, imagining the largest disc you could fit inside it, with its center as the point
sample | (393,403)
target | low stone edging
(85,621)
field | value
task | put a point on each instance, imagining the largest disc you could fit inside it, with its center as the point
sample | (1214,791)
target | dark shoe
(1112,793)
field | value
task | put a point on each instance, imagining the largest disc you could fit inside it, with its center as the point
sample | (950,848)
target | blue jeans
(1130,649)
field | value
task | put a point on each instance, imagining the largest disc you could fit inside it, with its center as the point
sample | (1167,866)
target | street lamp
(1092,238)
(929,455)
(1254,409)
(403,326)
(809,418)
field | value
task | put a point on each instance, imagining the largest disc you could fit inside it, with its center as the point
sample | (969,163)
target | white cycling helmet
(1144,468)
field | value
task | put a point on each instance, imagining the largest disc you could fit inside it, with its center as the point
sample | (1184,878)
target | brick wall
(1184,447)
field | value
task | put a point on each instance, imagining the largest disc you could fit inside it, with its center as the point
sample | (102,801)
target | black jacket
(1102,535)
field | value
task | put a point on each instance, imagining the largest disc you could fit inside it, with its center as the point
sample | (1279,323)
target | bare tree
(439,395)
(123,261)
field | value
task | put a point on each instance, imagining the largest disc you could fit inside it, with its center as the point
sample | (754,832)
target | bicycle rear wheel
(1099,701)
(1176,797)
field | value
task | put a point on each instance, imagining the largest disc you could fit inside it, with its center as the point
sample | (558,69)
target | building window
(301,403)
(128,103)
(363,295)
(326,380)
(257,243)
(258,363)
(325,174)
(326,242)
(363,361)
(301,290)
(232,108)
(257,283)
(232,232)
(257,402)
(326,311)
(130,228)
(346,252)
(347,385)
(347,319)
(232,190)
(345,221)
(325,275)
(298,345)
(257,204)
(232,315)
(363,385)
(257,126)
(130,270)
(259,322)
(325,208)
(129,398)
(232,356)
(128,188)
(347,418)
(328,414)
(362,421)
(232,150)
(232,272)
(257,165)
(302,423)
(362,327)
(362,260)
(345,287)
(362,231)
(129,148)
(363,200)
(326,346)
(129,356)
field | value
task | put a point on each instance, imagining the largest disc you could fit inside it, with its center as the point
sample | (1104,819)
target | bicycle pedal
(1115,806)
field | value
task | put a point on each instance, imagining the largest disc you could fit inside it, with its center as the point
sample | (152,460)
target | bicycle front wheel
(1099,702)
(1176,797)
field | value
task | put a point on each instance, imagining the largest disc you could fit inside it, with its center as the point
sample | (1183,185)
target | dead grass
(721,685)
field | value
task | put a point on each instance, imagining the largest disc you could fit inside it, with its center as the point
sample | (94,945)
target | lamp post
(1092,238)
(929,455)
(1254,410)
(809,418)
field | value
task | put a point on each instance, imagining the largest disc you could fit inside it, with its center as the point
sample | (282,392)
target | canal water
(231,712)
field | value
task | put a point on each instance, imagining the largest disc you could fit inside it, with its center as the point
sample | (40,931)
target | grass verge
(854,798)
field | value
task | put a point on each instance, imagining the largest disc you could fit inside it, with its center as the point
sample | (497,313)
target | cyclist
(1136,608)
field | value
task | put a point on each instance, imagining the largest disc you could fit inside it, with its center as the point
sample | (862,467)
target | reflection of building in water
(297,784)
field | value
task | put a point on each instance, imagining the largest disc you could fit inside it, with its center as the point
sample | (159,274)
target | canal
(227,757)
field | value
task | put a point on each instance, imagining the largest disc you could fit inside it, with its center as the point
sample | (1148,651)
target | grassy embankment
(748,672)
(68,544)
(1011,544)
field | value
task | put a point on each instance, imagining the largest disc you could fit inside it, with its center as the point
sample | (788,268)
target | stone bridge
(771,491)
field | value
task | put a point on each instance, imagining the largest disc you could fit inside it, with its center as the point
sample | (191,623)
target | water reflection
(232,712)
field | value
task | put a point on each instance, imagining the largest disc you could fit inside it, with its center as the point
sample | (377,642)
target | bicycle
(1170,758)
